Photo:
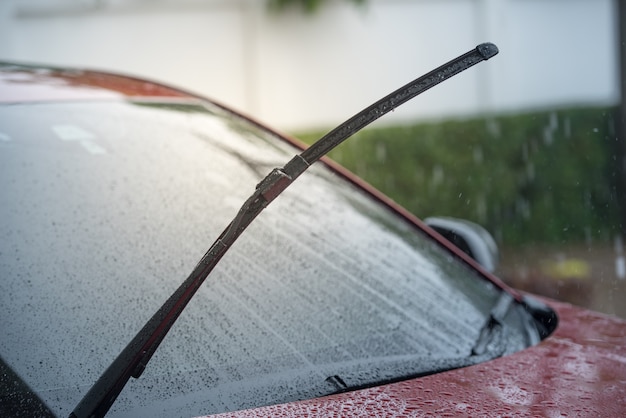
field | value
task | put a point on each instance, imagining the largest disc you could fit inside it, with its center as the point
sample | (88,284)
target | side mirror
(469,237)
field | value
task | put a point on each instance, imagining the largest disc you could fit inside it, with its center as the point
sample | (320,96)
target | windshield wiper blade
(133,359)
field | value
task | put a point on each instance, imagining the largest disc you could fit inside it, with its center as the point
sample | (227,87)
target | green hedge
(537,177)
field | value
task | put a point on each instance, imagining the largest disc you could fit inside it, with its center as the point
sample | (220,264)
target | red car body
(579,370)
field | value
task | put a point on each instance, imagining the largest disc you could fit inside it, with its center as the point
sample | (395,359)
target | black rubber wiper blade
(133,359)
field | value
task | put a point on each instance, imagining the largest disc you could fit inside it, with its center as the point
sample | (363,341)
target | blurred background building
(298,70)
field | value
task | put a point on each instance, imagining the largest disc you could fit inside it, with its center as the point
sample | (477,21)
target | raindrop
(620,261)
(567,127)
(548,137)
(550,129)
(381,152)
(438,175)
(478,155)
(481,209)
(554,121)
(493,127)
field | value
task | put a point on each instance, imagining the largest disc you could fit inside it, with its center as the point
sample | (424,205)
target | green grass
(536,177)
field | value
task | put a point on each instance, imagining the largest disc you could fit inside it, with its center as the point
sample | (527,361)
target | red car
(333,302)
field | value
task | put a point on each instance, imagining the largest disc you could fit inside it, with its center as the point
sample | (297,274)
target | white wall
(295,71)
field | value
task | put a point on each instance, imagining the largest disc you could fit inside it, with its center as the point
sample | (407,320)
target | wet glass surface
(108,206)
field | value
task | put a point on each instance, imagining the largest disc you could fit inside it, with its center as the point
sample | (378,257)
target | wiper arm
(133,359)
(493,325)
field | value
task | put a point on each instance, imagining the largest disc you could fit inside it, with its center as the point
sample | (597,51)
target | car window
(109,205)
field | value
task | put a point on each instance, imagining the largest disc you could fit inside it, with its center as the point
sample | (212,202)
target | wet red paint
(36,84)
(580,370)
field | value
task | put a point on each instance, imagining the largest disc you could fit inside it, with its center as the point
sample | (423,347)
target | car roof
(21,83)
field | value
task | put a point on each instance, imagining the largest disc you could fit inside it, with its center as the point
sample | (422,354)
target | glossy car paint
(580,370)
(38,84)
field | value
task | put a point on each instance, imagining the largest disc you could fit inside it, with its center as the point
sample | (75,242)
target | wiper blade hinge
(280,178)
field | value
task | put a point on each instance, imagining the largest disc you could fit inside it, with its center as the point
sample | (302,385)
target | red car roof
(20,83)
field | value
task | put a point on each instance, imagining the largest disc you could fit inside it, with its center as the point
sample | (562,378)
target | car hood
(578,371)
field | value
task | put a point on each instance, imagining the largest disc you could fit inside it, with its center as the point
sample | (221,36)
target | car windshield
(107,206)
